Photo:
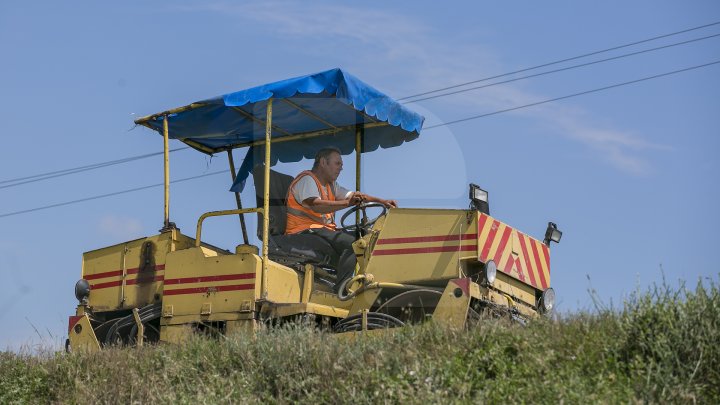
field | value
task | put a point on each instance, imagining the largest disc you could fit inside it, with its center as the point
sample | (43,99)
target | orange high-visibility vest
(299,217)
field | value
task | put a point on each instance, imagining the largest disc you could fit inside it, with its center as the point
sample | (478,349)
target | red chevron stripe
(433,249)
(527,260)
(546,251)
(488,242)
(209,289)
(541,273)
(482,219)
(501,247)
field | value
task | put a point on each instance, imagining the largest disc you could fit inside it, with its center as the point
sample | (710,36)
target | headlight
(479,199)
(490,271)
(82,289)
(547,301)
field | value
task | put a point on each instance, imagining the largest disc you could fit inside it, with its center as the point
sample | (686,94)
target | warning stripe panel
(530,269)
(485,253)
(117,273)
(493,237)
(209,289)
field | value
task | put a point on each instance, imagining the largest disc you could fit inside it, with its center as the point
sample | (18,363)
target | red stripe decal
(503,243)
(208,290)
(109,284)
(508,264)
(546,251)
(481,223)
(419,239)
(73,320)
(117,283)
(434,249)
(541,273)
(527,260)
(207,279)
(116,273)
(488,242)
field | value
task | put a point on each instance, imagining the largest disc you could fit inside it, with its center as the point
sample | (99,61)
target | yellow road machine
(450,266)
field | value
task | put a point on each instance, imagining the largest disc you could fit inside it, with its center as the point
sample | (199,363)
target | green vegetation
(661,347)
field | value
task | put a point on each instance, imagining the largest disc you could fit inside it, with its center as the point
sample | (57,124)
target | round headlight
(547,301)
(82,289)
(490,271)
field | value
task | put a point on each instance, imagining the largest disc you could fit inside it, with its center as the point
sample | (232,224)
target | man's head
(328,163)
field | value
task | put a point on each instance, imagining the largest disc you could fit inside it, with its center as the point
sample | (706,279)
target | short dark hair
(325,153)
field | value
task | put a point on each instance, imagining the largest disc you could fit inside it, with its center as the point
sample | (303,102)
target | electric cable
(108,195)
(562,69)
(571,95)
(58,173)
(562,60)
(427,128)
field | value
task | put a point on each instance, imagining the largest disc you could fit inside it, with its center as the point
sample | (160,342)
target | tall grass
(661,347)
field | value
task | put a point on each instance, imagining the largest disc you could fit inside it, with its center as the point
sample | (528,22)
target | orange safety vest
(299,217)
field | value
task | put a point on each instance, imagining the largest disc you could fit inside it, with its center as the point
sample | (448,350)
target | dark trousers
(342,256)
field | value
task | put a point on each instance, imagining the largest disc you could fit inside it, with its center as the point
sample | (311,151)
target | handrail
(218,214)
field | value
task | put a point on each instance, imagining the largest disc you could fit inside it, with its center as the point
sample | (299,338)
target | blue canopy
(323,109)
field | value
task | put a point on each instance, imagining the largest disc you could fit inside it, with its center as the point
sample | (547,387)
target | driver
(313,198)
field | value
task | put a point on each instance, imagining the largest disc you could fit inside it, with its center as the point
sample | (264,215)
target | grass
(661,347)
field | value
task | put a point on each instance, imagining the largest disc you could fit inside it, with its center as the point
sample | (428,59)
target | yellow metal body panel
(421,245)
(81,335)
(130,275)
(201,285)
(452,309)
(273,311)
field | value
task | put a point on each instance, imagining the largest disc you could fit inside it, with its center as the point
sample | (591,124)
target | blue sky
(629,174)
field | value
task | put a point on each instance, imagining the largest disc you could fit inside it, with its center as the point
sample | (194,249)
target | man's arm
(326,206)
(368,198)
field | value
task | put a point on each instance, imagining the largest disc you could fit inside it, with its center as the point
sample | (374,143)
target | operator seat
(286,249)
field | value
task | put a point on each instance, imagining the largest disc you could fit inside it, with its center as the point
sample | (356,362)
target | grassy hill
(662,346)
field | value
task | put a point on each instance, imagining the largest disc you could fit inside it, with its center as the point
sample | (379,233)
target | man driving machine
(314,196)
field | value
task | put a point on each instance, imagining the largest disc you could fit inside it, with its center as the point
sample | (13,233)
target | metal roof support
(166,150)
(359,132)
(266,198)
(237,197)
(259,121)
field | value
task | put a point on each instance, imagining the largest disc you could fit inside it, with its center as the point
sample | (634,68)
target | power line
(561,61)
(58,173)
(573,95)
(427,128)
(562,69)
(107,195)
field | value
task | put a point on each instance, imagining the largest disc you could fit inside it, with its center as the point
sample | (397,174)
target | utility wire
(561,69)
(561,61)
(427,128)
(59,173)
(572,95)
(109,194)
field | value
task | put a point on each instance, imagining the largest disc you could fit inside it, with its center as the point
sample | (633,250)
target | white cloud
(410,51)
(120,228)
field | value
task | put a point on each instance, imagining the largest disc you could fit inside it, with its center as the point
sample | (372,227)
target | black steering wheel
(364,226)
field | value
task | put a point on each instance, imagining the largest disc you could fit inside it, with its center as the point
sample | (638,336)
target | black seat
(286,249)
